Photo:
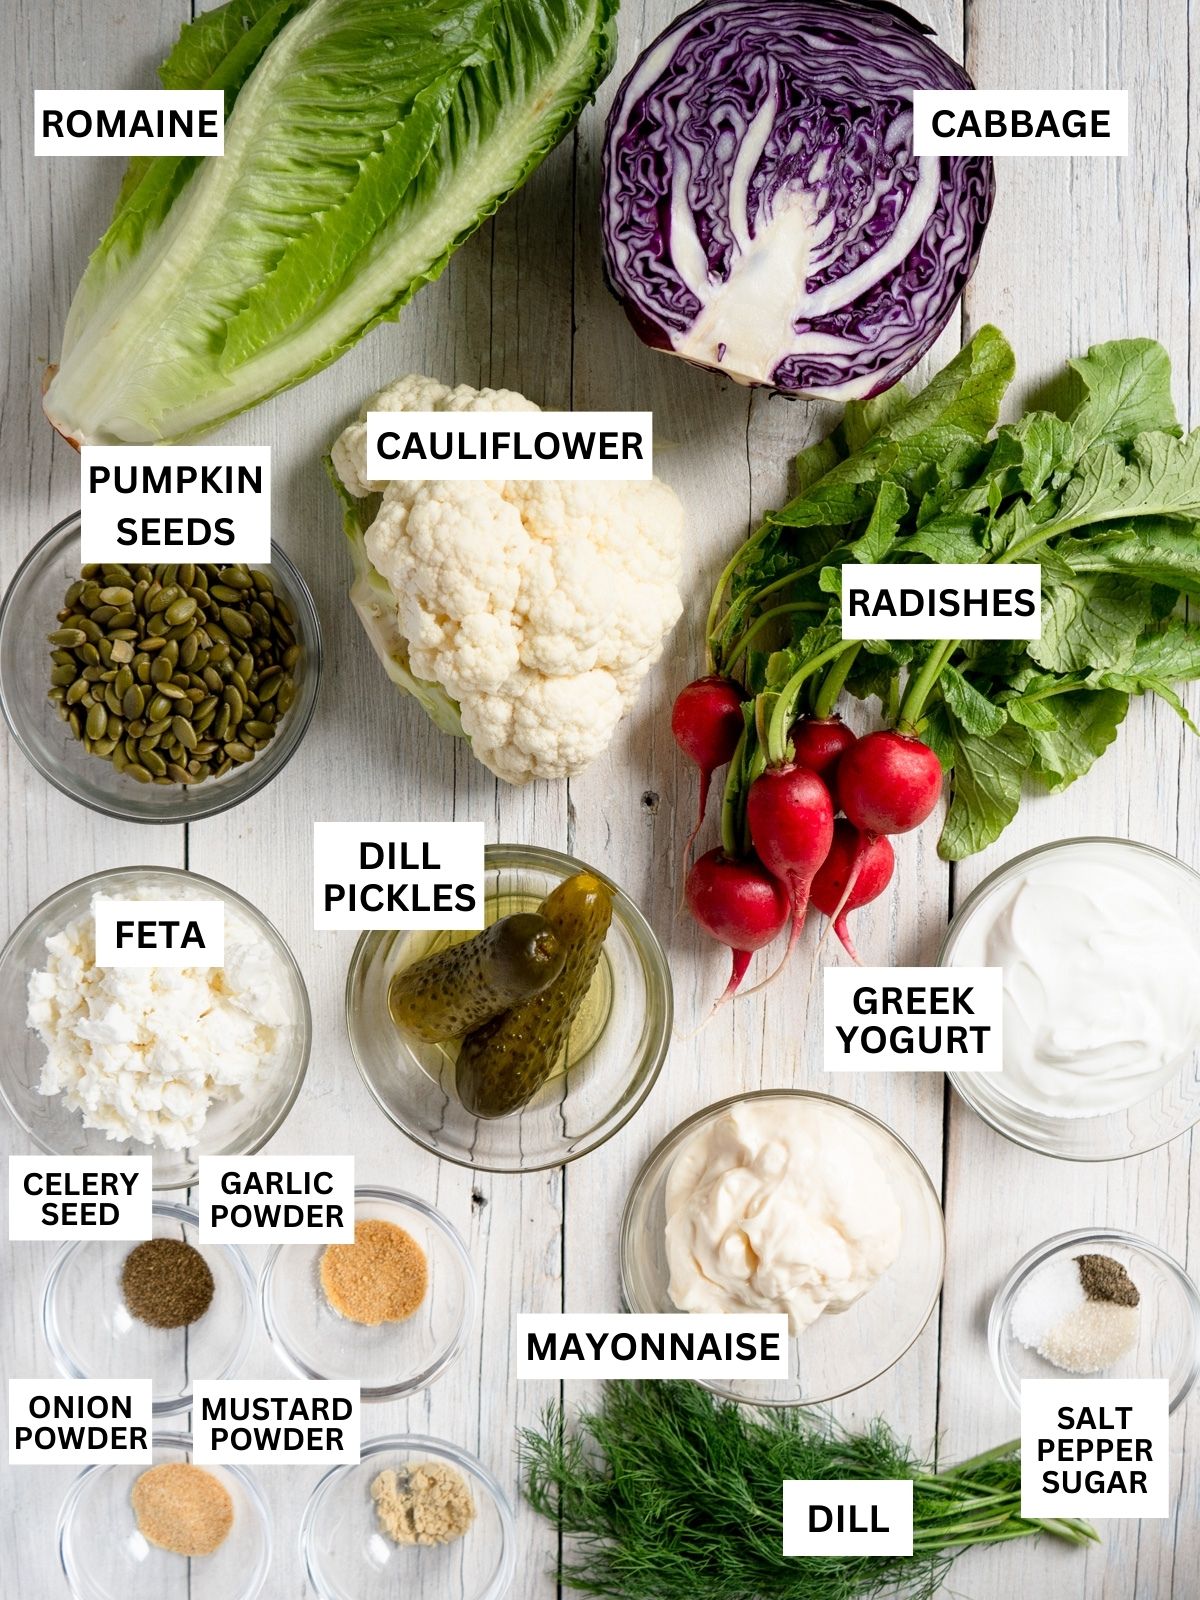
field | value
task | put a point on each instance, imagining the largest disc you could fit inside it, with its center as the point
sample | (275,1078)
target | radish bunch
(793,849)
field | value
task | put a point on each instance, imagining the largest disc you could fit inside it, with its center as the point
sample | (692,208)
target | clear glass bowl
(233,1127)
(1159,1118)
(392,1360)
(104,1557)
(837,1353)
(575,1111)
(29,612)
(348,1557)
(92,1334)
(1168,1341)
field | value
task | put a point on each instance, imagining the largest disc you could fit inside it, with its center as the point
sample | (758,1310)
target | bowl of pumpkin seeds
(157,692)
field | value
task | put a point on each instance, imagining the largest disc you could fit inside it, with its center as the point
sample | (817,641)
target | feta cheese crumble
(144,1052)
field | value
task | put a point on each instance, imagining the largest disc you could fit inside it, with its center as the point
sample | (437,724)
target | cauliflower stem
(372,599)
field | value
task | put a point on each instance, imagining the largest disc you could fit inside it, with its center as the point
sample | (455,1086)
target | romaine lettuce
(364,141)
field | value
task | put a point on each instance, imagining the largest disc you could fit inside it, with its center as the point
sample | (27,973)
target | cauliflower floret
(538,607)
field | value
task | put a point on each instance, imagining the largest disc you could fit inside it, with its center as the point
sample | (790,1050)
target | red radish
(819,741)
(790,817)
(888,782)
(862,866)
(738,903)
(707,722)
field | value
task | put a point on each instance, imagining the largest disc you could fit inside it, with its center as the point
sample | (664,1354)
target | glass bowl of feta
(209,696)
(787,1201)
(170,1062)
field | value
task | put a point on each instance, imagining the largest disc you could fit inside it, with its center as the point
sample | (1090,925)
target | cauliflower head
(538,608)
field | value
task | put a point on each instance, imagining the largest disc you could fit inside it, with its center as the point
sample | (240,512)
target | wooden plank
(56,209)
(1078,251)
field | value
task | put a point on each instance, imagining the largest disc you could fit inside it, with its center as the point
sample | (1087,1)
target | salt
(1046,1299)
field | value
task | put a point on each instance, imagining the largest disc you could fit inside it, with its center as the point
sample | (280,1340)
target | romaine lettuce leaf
(367,139)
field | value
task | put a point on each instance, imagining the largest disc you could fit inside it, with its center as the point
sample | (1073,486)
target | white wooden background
(1077,251)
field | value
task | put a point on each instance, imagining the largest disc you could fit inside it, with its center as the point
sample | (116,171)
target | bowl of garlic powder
(171,1062)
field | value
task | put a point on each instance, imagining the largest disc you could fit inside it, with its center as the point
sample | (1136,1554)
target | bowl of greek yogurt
(167,1061)
(1098,941)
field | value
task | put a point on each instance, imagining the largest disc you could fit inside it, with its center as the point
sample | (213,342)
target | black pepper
(1105,1279)
(166,1283)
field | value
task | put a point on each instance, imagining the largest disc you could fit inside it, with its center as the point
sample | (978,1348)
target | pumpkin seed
(175,672)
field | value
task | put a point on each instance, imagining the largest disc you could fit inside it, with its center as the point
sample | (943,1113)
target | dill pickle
(505,1061)
(445,995)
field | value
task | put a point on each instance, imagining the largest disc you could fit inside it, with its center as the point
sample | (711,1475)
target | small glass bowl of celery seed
(156,692)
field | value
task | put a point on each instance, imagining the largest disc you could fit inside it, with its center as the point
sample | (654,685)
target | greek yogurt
(1100,961)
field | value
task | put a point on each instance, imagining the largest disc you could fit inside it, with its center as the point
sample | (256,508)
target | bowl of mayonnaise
(786,1201)
(1098,941)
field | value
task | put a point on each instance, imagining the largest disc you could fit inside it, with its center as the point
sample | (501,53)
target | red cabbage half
(763,212)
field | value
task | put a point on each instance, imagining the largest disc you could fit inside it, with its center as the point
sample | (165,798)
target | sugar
(1091,1338)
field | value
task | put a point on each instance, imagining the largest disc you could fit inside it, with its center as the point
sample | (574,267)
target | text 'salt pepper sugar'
(1079,1313)
(166,1283)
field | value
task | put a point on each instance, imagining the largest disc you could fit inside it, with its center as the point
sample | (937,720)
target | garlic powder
(144,1052)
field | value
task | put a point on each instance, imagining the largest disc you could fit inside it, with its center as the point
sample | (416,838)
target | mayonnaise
(778,1205)
(1101,977)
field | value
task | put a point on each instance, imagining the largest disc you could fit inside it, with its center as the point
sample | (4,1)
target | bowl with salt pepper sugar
(170,1308)
(392,1310)
(1096,1303)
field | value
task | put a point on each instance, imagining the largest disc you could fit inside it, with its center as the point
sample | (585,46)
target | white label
(124,122)
(258,1198)
(80,1197)
(183,502)
(847,1517)
(947,600)
(914,1019)
(1021,122)
(398,875)
(160,933)
(78,1421)
(470,445)
(651,1345)
(275,1420)
(1094,1447)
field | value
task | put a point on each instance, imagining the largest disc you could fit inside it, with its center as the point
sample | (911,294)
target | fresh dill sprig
(670,1494)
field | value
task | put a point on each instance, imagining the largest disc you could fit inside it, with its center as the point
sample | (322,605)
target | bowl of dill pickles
(525,1045)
